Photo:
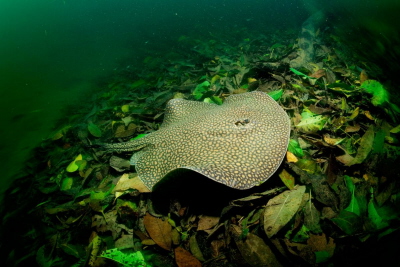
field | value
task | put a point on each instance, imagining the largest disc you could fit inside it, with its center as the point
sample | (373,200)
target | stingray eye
(242,122)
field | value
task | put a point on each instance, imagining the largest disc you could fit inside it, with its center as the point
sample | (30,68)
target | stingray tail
(119,147)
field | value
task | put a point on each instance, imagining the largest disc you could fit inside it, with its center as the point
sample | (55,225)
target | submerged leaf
(201,89)
(125,259)
(395,129)
(276,95)
(159,230)
(295,148)
(349,222)
(300,73)
(287,179)
(66,183)
(184,258)
(374,216)
(281,209)
(354,206)
(125,108)
(253,249)
(72,167)
(312,124)
(94,130)
(363,150)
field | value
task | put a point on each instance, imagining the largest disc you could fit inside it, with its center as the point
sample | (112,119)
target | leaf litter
(336,194)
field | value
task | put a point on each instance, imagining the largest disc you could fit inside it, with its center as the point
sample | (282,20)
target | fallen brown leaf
(254,250)
(125,183)
(290,157)
(363,76)
(318,74)
(159,230)
(207,222)
(183,258)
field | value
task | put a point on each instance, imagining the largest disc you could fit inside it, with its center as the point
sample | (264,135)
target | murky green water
(53,52)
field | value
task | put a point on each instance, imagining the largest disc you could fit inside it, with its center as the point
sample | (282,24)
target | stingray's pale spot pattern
(240,143)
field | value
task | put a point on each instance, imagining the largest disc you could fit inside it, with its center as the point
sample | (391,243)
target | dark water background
(53,53)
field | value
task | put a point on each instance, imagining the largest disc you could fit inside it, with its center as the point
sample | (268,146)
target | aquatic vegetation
(337,183)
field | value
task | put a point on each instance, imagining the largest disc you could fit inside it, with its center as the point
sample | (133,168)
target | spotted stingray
(240,143)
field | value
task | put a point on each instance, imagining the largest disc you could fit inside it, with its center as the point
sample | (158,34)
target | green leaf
(312,124)
(213,99)
(137,83)
(66,183)
(365,146)
(201,89)
(100,195)
(276,95)
(353,207)
(322,256)
(374,216)
(287,179)
(379,141)
(300,73)
(307,165)
(395,129)
(277,45)
(295,148)
(126,259)
(94,130)
(349,222)
(302,235)
(73,167)
(379,94)
(138,137)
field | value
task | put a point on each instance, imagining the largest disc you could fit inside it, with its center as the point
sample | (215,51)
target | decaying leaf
(195,249)
(363,76)
(125,241)
(362,151)
(312,217)
(254,250)
(349,222)
(281,209)
(322,190)
(159,230)
(318,110)
(119,164)
(395,129)
(312,124)
(125,183)
(183,258)
(125,131)
(318,249)
(287,179)
(320,243)
(95,248)
(332,141)
(207,222)
(368,114)
(108,222)
(352,129)
(290,157)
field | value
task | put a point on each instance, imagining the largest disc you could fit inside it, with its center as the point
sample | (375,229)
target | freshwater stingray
(240,143)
